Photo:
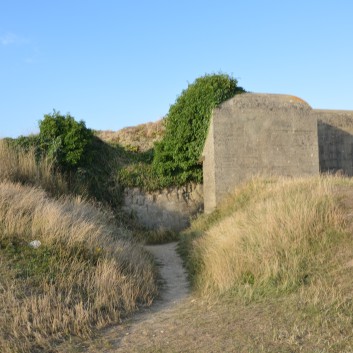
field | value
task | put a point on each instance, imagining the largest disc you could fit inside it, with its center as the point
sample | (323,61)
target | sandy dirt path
(175,286)
(147,326)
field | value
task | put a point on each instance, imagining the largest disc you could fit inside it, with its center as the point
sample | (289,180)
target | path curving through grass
(147,326)
(174,283)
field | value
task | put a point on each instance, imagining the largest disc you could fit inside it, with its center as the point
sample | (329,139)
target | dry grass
(138,138)
(22,166)
(280,238)
(287,324)
(86,274)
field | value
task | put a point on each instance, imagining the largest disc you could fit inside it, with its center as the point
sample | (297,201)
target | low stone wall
(167,209)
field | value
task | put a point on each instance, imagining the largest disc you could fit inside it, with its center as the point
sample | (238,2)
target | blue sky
(121,63)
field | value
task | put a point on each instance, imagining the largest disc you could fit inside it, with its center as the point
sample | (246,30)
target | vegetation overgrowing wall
(175,159)
(177,156)
(156,187)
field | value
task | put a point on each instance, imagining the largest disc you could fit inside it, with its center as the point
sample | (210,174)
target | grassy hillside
(272,236)
(86,273)
(285,248)
(140,138)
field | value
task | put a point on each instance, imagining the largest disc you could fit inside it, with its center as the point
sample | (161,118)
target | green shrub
(25,143)
(143,175)
(65,140)
(97,178)
(177,155)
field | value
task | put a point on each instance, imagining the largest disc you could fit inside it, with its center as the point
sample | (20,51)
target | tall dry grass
(22,166)
(86,273)
(279,236)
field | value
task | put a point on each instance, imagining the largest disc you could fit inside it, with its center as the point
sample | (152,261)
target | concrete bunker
(253,134)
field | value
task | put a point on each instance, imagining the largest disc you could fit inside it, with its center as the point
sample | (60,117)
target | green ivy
(177,155)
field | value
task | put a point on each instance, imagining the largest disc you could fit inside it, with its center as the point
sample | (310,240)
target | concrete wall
(167,209)
(209,169)
(335,139)
(259,134)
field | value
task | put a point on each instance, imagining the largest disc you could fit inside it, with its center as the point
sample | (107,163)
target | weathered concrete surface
(209,171)
(167,209)
(335,139)
(253,134)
